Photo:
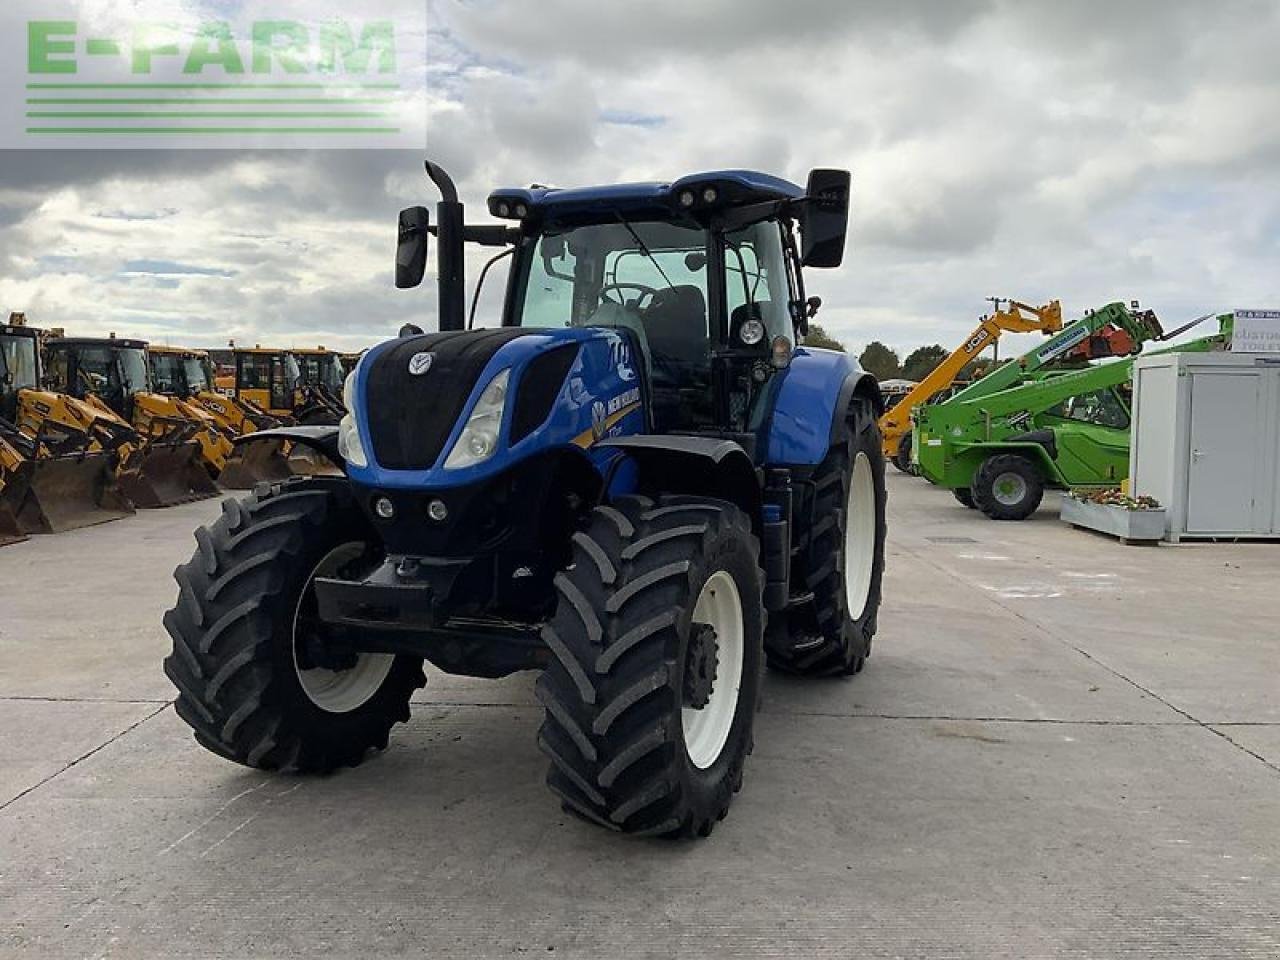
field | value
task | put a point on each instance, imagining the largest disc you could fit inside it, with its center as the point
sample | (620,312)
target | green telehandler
(999,450)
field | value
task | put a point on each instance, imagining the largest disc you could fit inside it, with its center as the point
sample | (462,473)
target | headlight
(349,446)
(479,438)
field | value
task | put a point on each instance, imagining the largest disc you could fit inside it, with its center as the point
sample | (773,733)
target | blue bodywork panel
(600,398)
(805,409)
(737,187)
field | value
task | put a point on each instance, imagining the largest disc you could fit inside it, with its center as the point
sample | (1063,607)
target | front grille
(411,417)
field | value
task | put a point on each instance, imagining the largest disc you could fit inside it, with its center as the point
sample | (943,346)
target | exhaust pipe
(450,268)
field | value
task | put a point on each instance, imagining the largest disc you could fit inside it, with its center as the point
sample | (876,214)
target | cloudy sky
(1088,151)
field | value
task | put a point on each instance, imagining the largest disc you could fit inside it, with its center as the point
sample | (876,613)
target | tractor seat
(675,324)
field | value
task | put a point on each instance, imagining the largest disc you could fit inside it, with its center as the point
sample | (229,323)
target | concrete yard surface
(1061,747)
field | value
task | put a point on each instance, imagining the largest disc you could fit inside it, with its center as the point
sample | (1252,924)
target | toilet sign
(1256,331)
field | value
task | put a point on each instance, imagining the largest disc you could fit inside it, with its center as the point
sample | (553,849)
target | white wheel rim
(339,691)
(706,730)
(1009,489)
(859,536)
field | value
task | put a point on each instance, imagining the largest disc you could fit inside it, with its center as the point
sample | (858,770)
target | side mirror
(824,219)
(411,249)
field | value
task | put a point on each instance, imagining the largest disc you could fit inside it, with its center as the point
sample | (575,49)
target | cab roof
(733,188)
(120,342)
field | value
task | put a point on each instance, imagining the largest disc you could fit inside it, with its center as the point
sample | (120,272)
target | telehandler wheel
(902,458)
(1007,487)
(652,691)
(840,560)
(964,496)
(244,659)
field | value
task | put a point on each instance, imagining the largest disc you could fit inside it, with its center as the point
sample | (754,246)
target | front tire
(964,497)
(839,560)
(244,659)
(657,639)
(1008,487)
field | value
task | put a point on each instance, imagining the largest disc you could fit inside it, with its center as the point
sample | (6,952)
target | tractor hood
(501,394)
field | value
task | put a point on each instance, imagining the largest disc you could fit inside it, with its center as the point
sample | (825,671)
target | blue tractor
(636,482)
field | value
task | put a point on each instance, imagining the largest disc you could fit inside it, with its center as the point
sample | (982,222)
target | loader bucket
(265,460)
(165,475)
(9,531)
(64,493)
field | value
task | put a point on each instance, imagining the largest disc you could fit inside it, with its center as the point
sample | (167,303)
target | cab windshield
(111,370)
(193,373)
(292,372)
(133,369)
(166,369)
(18,362)
(331,372)
(650,278)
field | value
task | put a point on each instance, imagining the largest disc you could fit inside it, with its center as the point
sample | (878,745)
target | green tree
(817,337)
(880,361)
(921,361)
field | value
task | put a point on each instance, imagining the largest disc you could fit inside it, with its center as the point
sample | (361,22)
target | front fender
(323,440)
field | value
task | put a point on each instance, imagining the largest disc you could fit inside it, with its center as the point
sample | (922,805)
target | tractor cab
(112,369)
(702,277)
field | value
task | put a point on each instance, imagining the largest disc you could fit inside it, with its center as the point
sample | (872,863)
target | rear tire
(902,457)
(240,659)
(1008,487)
(839,560)
(648,720)
(964,496)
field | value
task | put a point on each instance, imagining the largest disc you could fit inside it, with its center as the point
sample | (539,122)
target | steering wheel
(645,291)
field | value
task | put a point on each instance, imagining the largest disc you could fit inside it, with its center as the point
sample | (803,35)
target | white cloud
(1090,151)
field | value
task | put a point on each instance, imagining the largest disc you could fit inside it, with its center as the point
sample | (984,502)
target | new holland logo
(420,363)
(598,418)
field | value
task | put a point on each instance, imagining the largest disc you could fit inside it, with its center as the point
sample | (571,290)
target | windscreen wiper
(645,250)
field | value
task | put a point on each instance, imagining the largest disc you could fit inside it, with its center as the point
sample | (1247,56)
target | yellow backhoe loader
(187,376)
(274,380)
(170,458)
(57,463)
(1009,316)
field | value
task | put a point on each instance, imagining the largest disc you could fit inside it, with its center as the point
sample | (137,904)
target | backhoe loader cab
(179,372)
(321,368)
(632,480)
(275,381)
(178,450)
(266,378)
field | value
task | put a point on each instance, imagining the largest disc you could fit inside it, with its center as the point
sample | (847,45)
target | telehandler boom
(1016,317)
